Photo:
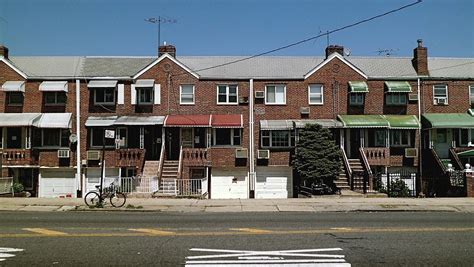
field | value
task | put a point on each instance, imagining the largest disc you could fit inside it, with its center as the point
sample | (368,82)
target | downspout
(78,142)
(251,144)
(420,145)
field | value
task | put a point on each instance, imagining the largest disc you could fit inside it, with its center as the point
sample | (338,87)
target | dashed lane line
(252,230)
(152,231)
(45,232)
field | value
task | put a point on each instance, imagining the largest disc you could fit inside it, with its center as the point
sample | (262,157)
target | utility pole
(158,21)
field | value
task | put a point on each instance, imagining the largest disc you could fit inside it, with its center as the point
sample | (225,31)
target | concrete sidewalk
(345,204)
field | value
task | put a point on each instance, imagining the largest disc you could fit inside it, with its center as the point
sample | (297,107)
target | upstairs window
(440,94)
(277,138)
(104,96)
(15,98)
(396,99)
(275,94)
(97,137)
(54,98)
(315,94)
(356,99)
(227,137)
(227,94)
(145,95)
(471,95)
(187,94)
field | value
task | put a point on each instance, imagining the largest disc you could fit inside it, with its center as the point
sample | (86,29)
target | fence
(184,187)
(6,185)
(138,184)
(408,178)
(457,178)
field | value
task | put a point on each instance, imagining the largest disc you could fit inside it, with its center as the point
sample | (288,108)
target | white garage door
(94,174)
(57,183)
(229,184)
(274,182)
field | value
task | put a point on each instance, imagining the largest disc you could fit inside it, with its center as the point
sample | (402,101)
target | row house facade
(231,120)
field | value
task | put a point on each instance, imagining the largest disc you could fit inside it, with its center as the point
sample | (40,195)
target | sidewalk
(330,204)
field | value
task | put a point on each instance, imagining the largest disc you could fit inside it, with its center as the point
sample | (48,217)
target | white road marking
(5,253)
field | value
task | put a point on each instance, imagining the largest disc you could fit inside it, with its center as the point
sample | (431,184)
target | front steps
(150,170)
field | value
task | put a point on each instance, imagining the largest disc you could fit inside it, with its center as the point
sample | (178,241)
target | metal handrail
(438,160)
(455,158)
(346,163)
(365,161)
(180,165)
(162,159)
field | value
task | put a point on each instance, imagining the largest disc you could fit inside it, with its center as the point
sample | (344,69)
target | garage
(94,174)
(57,183)
(229,183)
(274,182)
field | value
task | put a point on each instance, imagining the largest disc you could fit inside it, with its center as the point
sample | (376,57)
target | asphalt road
(167,239)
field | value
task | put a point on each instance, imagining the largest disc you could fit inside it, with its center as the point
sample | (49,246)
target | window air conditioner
(63,153)
(263,154)
(305,110)
(411,152)
(243,100)
(241,153)
(259,94)
(440,101)
(413,97)
(93,155)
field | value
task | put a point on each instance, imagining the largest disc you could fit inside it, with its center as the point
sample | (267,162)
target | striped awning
(54,120)
(18,119)
(325,123)
(103,121)
(54,86)
(140,120)
(145,83)
(448,120)
(398,87)
(276,124)
(380,121)
(102,83)
(358,87)
(188,121)
(227,121)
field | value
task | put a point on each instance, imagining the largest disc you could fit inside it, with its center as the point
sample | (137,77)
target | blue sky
(233,27)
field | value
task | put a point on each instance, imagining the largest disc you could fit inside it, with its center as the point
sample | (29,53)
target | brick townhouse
(234,126)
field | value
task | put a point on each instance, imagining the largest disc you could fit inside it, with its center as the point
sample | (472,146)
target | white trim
(157,94)
(104,103)
(284,94)
(121,94)
(227,95)
(322,94)
(180,95)
(133,94)
(331,57)
(158,60)
(435,98)
(6,61)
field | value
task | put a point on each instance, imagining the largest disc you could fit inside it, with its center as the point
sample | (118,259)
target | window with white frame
(145,95)
(227,94)
(356,99)
(55,98)
(187,94)
(440,94)
(121,137)
(315,94)
(471,95)
(104,96)
(227,137)
(15,98)
(466,137)
(277,138)
(54,137)
(97,138)
(396,99)
(275,94)
(400,138)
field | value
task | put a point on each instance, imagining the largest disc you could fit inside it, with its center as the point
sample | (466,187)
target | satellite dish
(347,52)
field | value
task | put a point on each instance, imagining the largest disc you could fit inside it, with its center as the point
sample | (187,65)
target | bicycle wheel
(118,199)
(92,199)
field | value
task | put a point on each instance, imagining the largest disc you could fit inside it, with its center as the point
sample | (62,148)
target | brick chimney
(334,48)
(167,49)
(420,59)
(4,51)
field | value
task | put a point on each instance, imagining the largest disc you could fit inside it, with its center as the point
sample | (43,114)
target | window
(227,94)
(275,94)
(187,94)
(97,137)
(440,94)
(471,95)
(54,98)
(145,95)
(121,135)
(396,99)
(1,138)
(54,137)
(356,99)
(466,137)
(15,98)
(380,138)
(315,94)
(400,138)
(227,137)
(104,96)
(277,139)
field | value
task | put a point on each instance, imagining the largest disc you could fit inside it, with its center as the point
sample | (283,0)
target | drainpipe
(420,145)
(251,143)
(78,134)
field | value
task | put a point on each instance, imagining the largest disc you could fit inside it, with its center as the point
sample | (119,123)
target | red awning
(188,121)
(227,121)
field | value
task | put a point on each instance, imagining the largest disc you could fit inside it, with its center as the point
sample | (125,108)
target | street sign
(109,134)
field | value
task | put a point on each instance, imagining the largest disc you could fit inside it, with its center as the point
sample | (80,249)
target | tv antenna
(159,21)
(387,52)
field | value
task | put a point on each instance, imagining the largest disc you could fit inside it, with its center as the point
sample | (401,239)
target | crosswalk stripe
(252,230)
(152,231)
(44,231)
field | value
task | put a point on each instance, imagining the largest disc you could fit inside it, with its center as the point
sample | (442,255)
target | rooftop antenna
(158,21)
(387,52)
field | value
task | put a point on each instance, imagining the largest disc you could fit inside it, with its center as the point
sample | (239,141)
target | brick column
(470,184)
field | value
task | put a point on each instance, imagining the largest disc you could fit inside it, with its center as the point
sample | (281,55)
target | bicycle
(116,198)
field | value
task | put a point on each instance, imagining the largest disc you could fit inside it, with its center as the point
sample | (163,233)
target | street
(202,239)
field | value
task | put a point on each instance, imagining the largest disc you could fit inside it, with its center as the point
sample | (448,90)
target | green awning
(447,120)
(402,121)
(471,111)
(468,153)
(363,121)
(358,87)
(398,87)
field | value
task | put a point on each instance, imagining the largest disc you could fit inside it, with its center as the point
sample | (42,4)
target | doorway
(153,142)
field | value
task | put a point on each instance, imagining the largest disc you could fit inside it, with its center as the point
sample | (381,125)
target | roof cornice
(331,57)
(158,60)
(9,64)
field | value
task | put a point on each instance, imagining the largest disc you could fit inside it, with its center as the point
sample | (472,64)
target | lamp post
(158,21)
(108,134)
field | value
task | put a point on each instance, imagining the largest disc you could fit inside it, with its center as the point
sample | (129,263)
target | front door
(442,142)
(172,143)
(187,137)
(353,143)
(152,142)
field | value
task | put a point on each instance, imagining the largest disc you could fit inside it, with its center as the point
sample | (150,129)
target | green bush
(17,188)
(398,188)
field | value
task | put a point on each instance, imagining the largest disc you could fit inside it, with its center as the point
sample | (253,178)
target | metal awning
(402,121)
(326,123)
(276,124)
(358,87)
(136,120)
(104,121)
(18,119)
(467,153)
(102,83)
(447,120)
(471,111)
(227,121)
(145,83)
(188,121)
(54,120)
(363,121)
(54,86)
(398,87)
(14,86)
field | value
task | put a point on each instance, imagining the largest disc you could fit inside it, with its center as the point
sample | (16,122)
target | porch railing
(367,168)
(17,156)
(184,187)
(6,185)
(438,160)
(345,160)
(130,157)
(196,156)
(162,160)
(455,159)
(377,155)
(139,184)
(180,164)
